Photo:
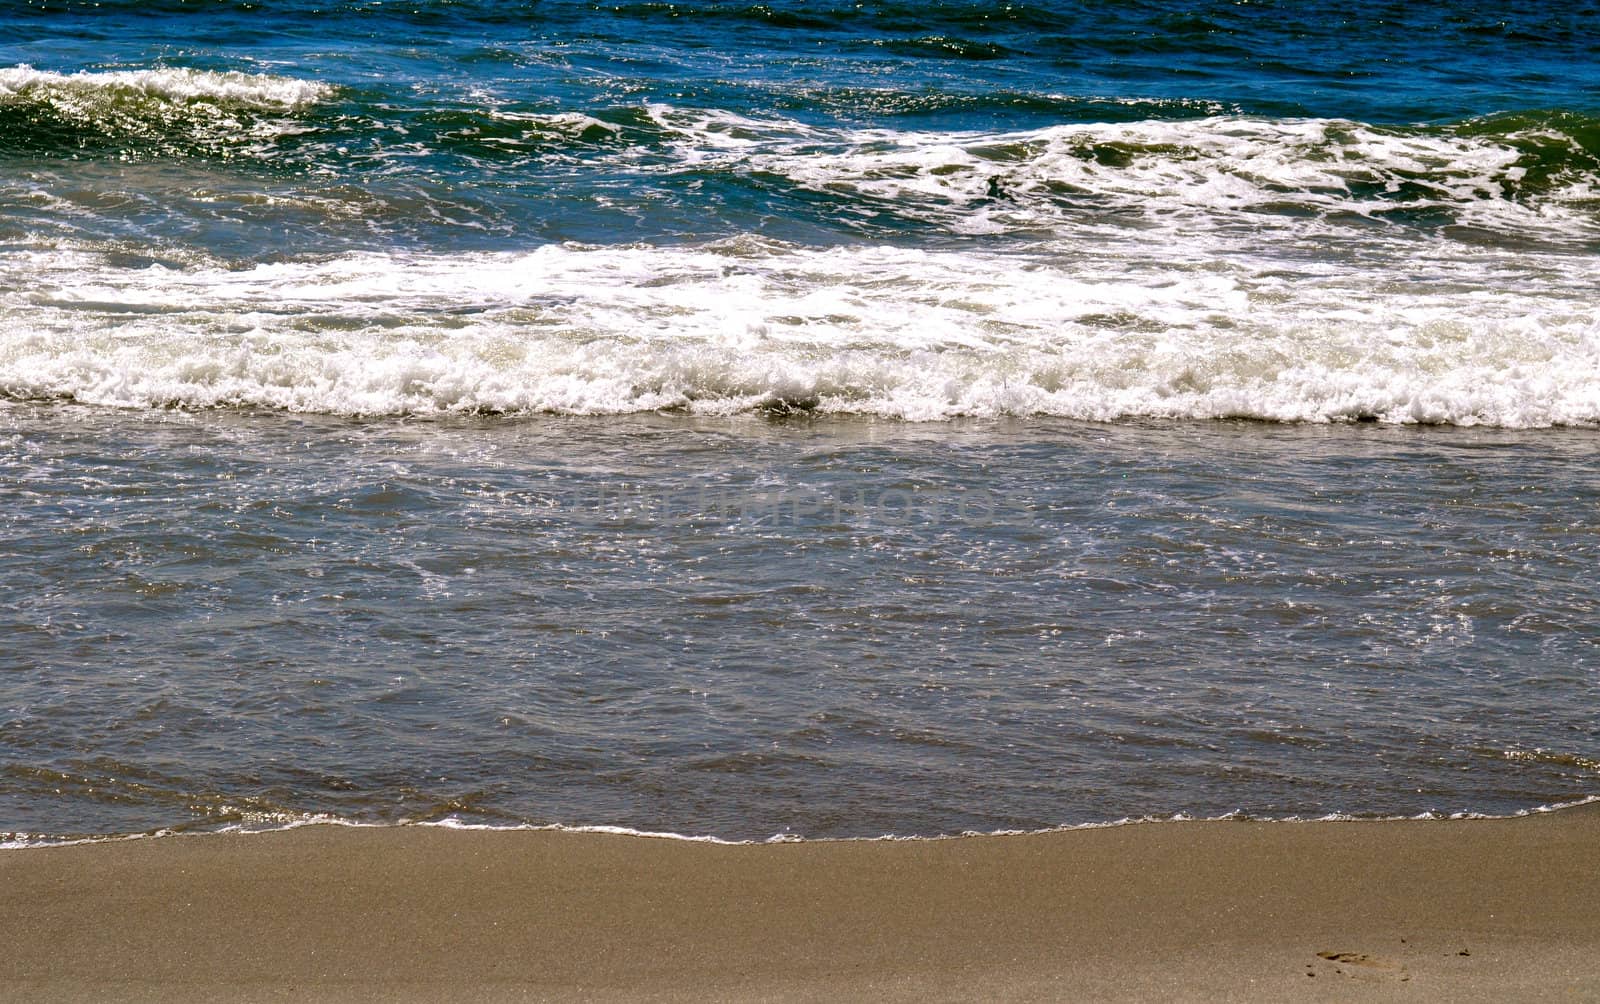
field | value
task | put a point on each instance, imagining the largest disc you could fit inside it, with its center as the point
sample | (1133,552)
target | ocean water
(814,419)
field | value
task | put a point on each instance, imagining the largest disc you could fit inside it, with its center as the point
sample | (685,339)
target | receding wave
(746,324)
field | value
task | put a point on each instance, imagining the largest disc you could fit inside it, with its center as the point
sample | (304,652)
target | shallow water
(743,627)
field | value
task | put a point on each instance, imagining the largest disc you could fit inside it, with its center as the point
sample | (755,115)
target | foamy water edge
(27,842)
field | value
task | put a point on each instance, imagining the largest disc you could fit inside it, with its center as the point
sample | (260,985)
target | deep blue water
(834,419)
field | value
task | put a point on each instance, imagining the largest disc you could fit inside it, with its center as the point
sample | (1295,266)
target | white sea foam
(171,84)
(571,123)
(1157,170)
(1098,334)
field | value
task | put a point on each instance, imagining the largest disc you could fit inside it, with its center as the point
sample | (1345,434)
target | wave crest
(167,110)
(259,91)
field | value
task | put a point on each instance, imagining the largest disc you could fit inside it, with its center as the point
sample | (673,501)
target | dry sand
(1412,910)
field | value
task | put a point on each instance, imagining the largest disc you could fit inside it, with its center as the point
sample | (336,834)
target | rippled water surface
(823,627)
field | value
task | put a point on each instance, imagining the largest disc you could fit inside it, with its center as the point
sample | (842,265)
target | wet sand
(1411,910)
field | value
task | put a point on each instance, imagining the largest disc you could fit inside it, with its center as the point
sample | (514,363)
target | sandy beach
(1403,910)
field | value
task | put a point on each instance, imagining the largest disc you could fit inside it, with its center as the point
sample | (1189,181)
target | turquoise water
(830,420)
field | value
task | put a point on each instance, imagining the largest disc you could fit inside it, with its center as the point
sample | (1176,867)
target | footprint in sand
(1357,966)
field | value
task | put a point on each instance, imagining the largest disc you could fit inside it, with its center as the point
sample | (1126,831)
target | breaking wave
(1500,173)
(172,109)
(750,324)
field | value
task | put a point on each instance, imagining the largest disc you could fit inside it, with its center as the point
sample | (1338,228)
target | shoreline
(1222,909)
(44,841)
